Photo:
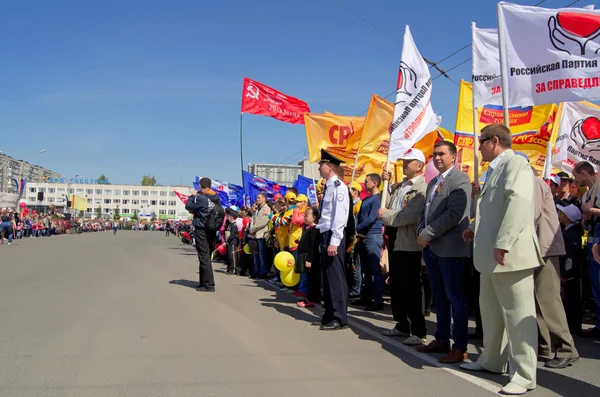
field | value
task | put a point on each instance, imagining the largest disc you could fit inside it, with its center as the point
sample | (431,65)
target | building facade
(11,168)
(283,174)
(160,202)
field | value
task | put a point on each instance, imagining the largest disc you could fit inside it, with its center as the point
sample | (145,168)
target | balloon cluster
(284,262)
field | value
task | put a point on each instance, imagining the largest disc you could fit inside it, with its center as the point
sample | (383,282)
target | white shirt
(405,187)
(493,164)
(440,178)
(334,211)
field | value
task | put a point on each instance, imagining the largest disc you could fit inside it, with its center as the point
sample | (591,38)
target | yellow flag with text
(531,127)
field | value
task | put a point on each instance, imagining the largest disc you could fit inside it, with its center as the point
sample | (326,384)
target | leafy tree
(81,214)
(153,218)
(103,179)
(98,213)
(135,216)
(148,180)
(116,214)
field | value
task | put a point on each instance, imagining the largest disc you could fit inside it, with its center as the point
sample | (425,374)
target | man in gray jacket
(259,229)
(441,224)
(402,212)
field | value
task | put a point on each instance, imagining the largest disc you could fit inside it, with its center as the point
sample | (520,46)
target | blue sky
(127,88)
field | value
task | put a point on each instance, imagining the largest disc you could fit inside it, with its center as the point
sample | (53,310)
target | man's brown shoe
(434,347)
(455,356)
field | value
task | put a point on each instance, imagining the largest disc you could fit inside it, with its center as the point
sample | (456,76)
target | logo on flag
(407,83)
(574,32)
(586,133)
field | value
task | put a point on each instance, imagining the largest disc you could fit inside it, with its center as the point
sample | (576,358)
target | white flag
(578,137)
(486,67)
(413,114)
(551,55)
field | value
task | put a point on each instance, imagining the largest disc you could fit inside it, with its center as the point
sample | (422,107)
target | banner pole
(475,129)
(242,149)
(503,65)
(312,174)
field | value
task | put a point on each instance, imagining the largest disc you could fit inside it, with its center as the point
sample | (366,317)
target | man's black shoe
(332,326)
(263,277)
(560,363)
(254,277)
(375,307)
(206,289)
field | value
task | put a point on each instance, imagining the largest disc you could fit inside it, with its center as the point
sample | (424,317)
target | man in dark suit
(441,224)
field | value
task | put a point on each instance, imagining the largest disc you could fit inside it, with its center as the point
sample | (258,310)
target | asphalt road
(104,315)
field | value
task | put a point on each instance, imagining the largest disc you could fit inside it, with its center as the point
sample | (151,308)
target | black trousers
(314,281)
(406,292)
(204,244)
(335,288)
(573,303)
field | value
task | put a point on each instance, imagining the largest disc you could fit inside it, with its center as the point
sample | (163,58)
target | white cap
(413,154)
(571,211)
(555,178)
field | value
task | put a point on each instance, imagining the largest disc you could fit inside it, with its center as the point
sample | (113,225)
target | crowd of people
(517,238)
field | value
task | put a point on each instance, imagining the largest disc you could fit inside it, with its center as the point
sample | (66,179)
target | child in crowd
(297,222)
(308,263)
(232,242)
(570,265)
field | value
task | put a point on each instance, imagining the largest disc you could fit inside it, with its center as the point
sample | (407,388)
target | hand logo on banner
(406,76)
(571,32)
(588,132)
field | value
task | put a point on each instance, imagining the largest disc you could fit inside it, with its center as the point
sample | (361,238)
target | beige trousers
(509,325)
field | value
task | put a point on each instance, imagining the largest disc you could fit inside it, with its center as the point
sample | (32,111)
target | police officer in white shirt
(334,209)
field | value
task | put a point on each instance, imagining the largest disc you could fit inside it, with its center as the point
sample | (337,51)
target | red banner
(258,98)
(182,197)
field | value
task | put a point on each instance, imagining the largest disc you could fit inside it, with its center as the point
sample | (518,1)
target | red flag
(182,197)
(258,98)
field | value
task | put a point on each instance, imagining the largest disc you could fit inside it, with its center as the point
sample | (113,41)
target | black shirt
(5,218)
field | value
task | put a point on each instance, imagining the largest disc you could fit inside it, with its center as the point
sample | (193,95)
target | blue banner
(306,186)
(254,184)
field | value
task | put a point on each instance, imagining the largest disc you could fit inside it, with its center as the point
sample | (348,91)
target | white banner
(578,137)
(551,55)
(413,114)
(486,67)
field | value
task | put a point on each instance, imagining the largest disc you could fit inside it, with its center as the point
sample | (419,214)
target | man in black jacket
(200,204)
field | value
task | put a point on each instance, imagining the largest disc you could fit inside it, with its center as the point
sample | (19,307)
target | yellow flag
(531,127)
(339,135)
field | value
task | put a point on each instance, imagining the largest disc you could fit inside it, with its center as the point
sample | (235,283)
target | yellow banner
(531,128)
(78,203)
(339,135)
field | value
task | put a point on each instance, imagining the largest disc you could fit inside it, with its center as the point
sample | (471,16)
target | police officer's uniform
(334,209)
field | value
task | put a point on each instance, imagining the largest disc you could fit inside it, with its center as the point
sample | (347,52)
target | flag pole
(242,150)
(503,64)
(475,121)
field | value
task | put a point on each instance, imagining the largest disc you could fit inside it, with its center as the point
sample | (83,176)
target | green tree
(148,180)
(153,217)
(98,213)
(116,214)
(81,214)
(135,216)
(103,179)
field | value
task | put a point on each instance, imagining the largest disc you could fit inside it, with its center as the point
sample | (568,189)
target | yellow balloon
(247,249)
(290,279)
(284,261)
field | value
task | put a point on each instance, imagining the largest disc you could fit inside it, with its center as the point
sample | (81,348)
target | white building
(146,201)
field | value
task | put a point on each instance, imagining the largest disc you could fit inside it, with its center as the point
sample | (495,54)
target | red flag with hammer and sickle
(258,98)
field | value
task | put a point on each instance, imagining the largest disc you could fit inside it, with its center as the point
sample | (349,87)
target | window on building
(162,202)
(171,194)
(116,201)
(135,192)
(71,191)
(144,192)
(32,199)
(89,201)
(125,201)
(88,210)
(163,194)
(125,192)
(154,193)
(162,212)
(98,191)
(152,202)
(106,201)
(97,201)
(89,191)
(51,190)
(144,202)
(42,190)
(172,203)
(32,190)
(171,212)
(125,211)
(60,200)
(108,192)
(117,192)
(50,199)
(61,190)
(79,191)
(135,202)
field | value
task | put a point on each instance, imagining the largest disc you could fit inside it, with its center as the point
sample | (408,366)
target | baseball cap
(290,196)
(564,175)
(571,211)
(413,154)
(234,208)
(356,186)
(300,198)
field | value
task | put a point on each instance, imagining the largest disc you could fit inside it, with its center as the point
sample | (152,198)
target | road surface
(104,315)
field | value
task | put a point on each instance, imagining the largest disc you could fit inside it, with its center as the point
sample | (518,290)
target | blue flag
(306,186)
(229,193)
(254,184)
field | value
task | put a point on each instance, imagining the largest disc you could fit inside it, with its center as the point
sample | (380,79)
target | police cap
(327,157)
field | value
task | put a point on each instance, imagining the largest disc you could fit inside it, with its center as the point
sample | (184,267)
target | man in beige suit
(506,252)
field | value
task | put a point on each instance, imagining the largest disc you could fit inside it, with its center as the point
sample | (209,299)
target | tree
(134,217)
(98,213)
(81,215)
(153,218)
(103,179)
(148,180)
(116,214)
